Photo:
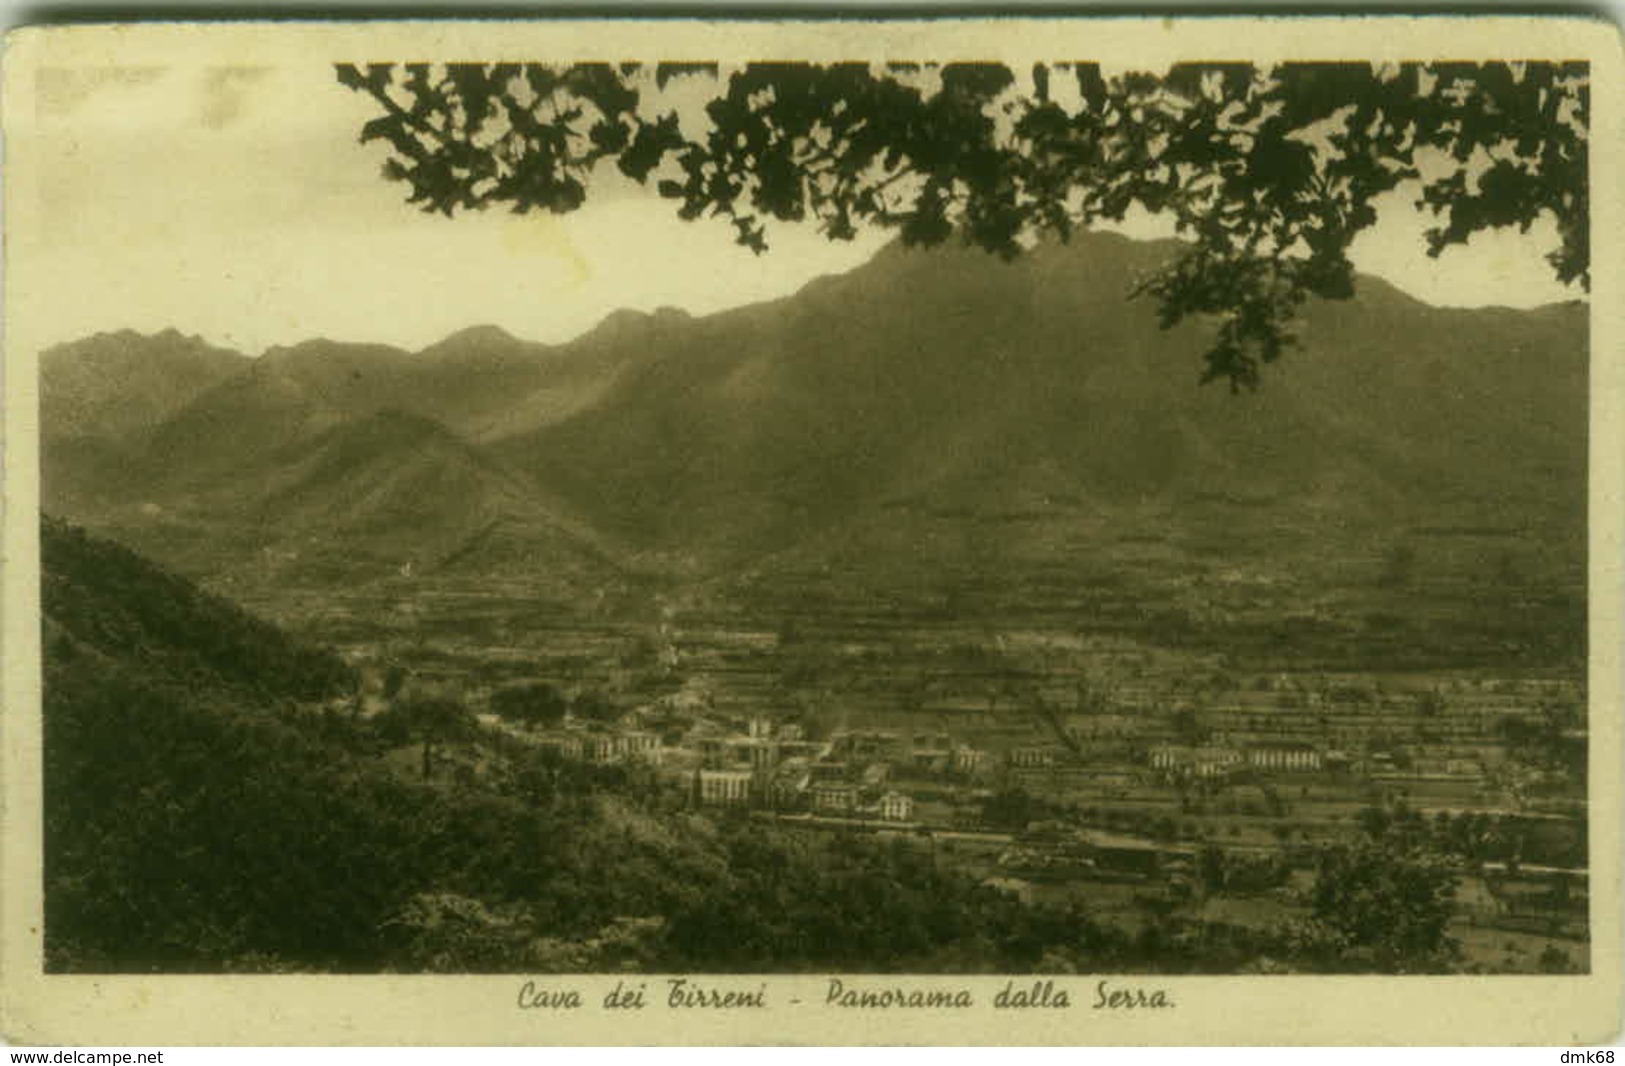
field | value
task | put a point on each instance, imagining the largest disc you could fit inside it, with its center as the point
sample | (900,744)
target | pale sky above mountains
(236,203)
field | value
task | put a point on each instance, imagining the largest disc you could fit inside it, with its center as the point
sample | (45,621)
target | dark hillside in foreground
(103,602)
(186,819)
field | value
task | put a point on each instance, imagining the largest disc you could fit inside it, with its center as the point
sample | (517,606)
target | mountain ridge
(923,383)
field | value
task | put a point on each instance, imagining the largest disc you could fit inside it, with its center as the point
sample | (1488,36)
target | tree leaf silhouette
(1268,173)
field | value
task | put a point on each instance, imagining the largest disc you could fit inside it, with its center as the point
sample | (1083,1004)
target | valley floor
(1153,787)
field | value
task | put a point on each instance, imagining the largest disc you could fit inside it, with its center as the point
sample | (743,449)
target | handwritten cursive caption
(839,993)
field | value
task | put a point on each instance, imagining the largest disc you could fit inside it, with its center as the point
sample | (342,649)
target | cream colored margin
(481,1010)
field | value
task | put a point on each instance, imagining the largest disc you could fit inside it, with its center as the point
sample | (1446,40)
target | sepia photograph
(781,526)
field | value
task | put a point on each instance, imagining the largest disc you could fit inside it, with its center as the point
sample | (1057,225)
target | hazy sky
(235,203)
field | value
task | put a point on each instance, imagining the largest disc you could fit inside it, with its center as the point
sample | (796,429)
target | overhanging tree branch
(1268,174)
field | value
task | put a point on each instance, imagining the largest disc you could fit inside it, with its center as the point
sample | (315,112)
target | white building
(967,760)
(725,788)
(834,797)
(1284,757)
(896,807)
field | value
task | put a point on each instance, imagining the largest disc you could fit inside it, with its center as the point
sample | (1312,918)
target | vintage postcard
(1020,531)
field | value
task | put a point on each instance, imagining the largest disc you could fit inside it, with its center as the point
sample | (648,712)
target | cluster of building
(602,748)
(771,765)
(1052,851)
(775,766)
(1219,761)
(765,764)
(1210,761)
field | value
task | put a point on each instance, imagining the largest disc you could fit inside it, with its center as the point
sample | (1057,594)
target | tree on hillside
(433,721)
(394,680)
(1187,726)
(594,706)
(1386,904)
(533,704)
(1268,173)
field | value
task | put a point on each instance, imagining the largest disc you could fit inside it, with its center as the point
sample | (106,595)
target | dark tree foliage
(594,707)
(1268,173)
(1553,737)
(434,721)
(1013,808)
(531,704)
(1386,906)
(181,835)
(1385,898)
(99,595)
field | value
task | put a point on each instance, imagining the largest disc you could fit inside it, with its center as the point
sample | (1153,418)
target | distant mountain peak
(945,377)
(487,334)
(626,322)
(111,384)
(123,343)
(317,349)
